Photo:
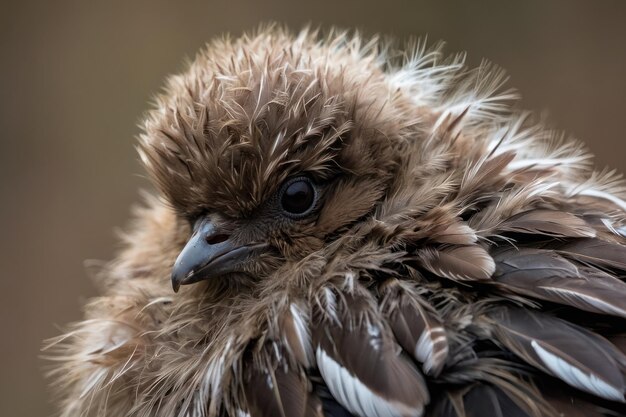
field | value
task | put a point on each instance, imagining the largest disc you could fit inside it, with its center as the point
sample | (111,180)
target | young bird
(351,230)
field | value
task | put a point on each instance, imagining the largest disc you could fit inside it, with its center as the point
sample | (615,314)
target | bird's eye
(297,197)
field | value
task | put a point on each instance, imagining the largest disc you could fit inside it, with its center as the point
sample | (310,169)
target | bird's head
(268,153)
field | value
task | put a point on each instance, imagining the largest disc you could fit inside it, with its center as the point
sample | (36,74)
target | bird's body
(365,238)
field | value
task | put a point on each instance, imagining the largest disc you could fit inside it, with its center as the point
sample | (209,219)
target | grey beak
(210,253)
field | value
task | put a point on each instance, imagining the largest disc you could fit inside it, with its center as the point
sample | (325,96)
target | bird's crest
(232,130)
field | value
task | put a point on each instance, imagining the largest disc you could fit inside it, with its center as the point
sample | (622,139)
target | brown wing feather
(280,393)
(549,276)
(294,325)
(363,367)
(549,223)
(569,403)
(455,233)
(416,325)
(595,252)
(477,400)
(576,356)
(458,263)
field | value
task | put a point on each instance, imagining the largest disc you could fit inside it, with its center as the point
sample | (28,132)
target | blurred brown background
(75,78)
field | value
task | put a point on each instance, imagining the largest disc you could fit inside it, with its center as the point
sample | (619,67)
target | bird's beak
(210,253)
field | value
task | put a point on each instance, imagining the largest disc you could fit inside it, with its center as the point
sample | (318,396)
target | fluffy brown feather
(442,270)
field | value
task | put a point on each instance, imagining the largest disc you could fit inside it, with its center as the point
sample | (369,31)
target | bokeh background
(76,76)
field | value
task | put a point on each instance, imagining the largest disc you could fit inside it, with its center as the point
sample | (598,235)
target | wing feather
(594,251)
(279,393)
(454,232)
(477,400)
(458,263)
(363,367)
(578,357)
(548,222)
(546,275)
(416,325)
(295,329)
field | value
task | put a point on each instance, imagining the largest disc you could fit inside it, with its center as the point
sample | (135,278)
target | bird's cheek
(295,249)
(264,265)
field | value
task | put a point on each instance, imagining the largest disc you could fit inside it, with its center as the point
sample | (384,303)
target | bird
(343,225)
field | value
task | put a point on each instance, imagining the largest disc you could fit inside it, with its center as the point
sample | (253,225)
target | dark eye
(297,197)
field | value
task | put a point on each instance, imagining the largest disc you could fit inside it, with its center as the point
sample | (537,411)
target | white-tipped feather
(424,77)
(575,376)
(356,396)
(596,302)
(302,334)
(542,163)
(592,192)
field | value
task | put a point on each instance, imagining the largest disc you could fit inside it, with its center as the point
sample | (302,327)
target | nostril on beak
(215,239)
